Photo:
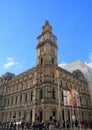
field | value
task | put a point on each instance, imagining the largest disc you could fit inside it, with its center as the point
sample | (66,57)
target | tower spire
(47,27)
(47,46)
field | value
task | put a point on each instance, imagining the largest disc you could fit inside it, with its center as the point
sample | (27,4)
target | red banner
(71,98)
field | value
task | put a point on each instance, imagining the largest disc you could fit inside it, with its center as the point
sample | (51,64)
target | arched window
(52,60)
(63,118)
(66,85)
(31,96)
(40,114)
(19,115)
(20,98)
(16,99)
(8,102)
(25,97)
(54,112)
(41,61)
(11,101)
(41,93)
(52,75)
(62,96)
(53,93)
(61,84)
(31,112)
(5,102)
(82,115)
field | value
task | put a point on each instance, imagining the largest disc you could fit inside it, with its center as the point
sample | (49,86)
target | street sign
(73,117)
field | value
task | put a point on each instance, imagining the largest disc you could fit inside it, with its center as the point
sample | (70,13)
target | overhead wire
(79,24)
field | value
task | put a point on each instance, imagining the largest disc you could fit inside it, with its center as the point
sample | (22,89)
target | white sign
(73,117)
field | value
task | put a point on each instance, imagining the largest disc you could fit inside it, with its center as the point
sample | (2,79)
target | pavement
(55,129)
(75,129)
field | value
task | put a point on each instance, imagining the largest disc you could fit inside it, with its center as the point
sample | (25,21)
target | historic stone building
(39,91)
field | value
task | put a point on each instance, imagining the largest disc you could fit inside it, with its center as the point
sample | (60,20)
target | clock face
(52,39)
(42,38)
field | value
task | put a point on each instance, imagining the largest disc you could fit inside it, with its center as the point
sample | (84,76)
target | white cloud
(89,64)
(62,64)
(90,59)
(9,63)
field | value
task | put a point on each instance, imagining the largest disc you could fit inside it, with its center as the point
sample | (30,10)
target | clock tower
(47,47)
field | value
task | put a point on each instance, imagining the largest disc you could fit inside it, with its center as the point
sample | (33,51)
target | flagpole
(70,115)
(77,100)
(65,116)
(59,110)
(72,104)
(69,108)
(73,117)
(78,115)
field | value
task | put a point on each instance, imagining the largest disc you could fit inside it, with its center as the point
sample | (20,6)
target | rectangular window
(40,93)
(31,96)
(53,94)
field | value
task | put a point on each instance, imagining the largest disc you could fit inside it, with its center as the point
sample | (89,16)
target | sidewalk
(72,129)
(54,129)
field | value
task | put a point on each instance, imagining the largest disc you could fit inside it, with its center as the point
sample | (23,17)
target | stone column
(46,114)
(28,84)
(9,117)
(22,114)
(6,102)
(33,113)
(9,101)
(85,115)
(18,100)
(17,115)
(28,98)
(28,116)
(23,99)
(70,111)
(13,114)
(14,100)
(49,112)
(4,117)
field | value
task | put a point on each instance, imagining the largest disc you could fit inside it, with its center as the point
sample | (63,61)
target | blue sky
(21,22)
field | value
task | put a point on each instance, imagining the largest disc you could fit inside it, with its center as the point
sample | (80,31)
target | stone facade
(85,69)
(38,92)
